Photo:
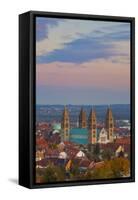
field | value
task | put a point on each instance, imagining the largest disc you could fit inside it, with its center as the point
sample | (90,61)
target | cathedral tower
(109,124)
(82,119)
(65,125)
(92,124)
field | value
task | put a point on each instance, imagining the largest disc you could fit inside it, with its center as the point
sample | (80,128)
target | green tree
(116,168)
(54,173)
(96,149)
(95,153)
(107,154)
(74,172)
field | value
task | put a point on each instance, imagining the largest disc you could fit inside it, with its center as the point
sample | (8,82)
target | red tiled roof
(114,146)
(41,142)
(124,140)
(99,164)
(91,165)
(84,163)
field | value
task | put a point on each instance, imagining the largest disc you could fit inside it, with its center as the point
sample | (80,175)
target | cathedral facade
(87,131)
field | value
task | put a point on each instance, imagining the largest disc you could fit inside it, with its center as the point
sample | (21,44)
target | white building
(80,154)
(62,155)
(103,136)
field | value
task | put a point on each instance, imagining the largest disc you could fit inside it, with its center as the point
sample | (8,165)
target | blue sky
(77,44)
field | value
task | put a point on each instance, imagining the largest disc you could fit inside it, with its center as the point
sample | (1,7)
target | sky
(82,61)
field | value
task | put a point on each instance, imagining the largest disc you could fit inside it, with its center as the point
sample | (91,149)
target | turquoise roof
(79,135)
(79,131)
(56,126)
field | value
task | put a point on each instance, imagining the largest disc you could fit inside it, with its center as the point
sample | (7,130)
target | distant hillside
(51,113)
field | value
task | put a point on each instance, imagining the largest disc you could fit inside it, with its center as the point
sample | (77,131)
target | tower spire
(92,122)
(109,124)
(82,119)
(65,124)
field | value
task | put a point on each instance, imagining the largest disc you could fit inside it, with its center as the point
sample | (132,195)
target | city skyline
(89,64)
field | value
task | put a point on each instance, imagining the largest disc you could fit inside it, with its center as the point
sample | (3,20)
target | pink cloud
(101,73)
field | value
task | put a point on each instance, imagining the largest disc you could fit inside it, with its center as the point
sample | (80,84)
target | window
(66,125)
(94,136)
(94,126)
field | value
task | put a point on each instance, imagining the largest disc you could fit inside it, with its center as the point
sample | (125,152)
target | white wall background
(9,11)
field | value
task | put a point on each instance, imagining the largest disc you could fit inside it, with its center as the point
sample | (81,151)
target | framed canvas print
(76,99)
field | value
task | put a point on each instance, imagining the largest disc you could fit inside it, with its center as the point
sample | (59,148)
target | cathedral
(87,131)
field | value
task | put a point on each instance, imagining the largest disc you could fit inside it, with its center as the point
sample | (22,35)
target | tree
(74,172)
(96,149)
(116,168)
(96,152)
(107,154)
(54,173)
(120,167)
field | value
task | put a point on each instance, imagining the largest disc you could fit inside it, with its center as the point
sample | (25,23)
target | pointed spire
(109,112)
(82,110)
(65,107)
(82,119)
(92,113)
(65,113)
(65,124)
(92,126)
(109,123)
(65,110)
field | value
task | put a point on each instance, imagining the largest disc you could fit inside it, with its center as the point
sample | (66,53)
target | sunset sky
(82,62)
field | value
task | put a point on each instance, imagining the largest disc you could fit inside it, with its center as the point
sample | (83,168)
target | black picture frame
(27,97)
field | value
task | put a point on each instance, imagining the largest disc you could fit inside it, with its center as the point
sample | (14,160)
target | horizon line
(83,104)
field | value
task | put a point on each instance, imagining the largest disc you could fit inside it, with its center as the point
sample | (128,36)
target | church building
(87,132)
